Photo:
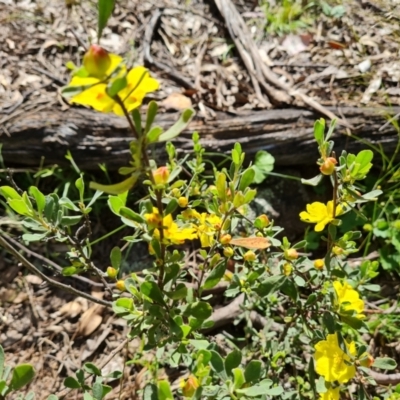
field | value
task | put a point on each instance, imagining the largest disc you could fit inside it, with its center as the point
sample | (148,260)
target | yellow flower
(349,299)
(332,362)
(209,224)
(139,83)
(331,394)
(173,234)
(320,214)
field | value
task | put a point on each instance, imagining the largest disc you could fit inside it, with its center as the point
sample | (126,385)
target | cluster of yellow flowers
(204,228)
(102,70)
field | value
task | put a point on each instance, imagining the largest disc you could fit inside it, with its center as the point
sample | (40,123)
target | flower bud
(367,360)
(120,285)
(249,256)
(263,220)
(368,227)
(96,61)
(291,254)
(396,224)
(287,269)
(176,192)
(189,386)
(214,260)
(225,239)
(183,202)
(228,252)
(328,166)
(319,264)
(161,175)
(338,251)
(111,272)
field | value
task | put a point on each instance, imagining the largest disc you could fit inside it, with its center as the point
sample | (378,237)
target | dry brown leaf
(90,320)
(177,101)
(71,309)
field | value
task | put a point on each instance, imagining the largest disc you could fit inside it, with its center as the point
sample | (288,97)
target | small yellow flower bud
(111,272)
(319,264)
(287,269)
(367,227)
(291,254)
(161,175)
(228,252)
(183,202)
(264,220)
(396,224)
(120,285)
(228,276)
(96,61)
(338,251)
(225,239)
(249,256)
(176,193)
(328,166)
(189,386)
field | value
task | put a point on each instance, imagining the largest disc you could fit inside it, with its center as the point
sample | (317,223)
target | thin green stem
(107,235)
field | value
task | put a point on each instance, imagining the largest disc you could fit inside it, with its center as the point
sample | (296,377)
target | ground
(349,59)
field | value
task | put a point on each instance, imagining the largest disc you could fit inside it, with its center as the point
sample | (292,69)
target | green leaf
(171,206)
(71,220)
(289,288)
(150,392)
(116,85)
(329,322)
(217,364)
(80,185)
(330,131)
(52,397)
(259,176)
(270,285)
(247,179)
(137,121)
(33,237)
(264,161)
(105,9)
(232,361)
(319,131)
(20,207)
(9,193)
(354,322)
(200,309)
(164,390)
(131,215)
(117,188)
(313,181)
(220,183)
(39,197)
(215,276)
(116,202)
(154,133)
(71,383)
(67,203)
(264,388)
(90,368)
(97,391)
(152,110)
(372,195)
(179,293)
(21,376)
(116,257)
(253,371)
(153,292)
(384,363)
(2,361)
(238,378)
(178,127)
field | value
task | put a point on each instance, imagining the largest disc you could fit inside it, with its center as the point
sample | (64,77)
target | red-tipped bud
(225,239)
(367,360)
(96,61)
(161,175)
(328,166)
(189,386)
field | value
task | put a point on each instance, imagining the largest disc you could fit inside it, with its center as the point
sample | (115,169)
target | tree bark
(95,138)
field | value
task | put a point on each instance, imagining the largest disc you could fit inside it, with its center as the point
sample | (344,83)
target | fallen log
(95,138)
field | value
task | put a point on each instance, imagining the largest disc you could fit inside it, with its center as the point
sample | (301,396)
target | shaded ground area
(352,60)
